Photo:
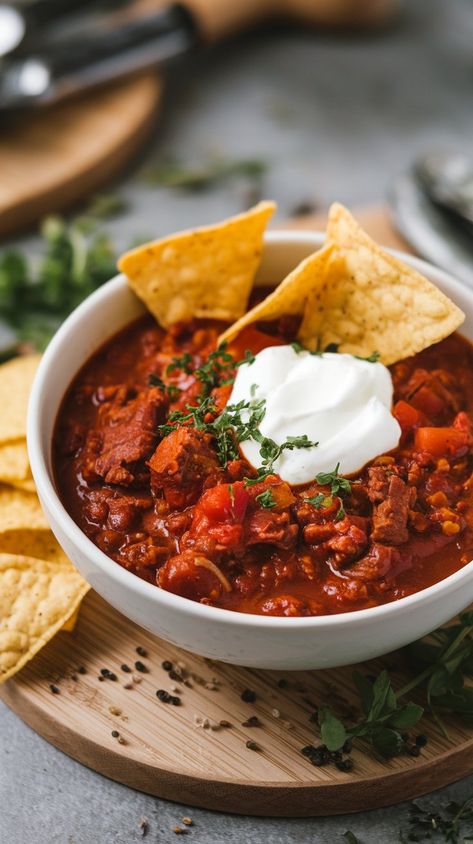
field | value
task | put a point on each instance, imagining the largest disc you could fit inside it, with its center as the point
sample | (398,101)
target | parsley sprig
(339,487)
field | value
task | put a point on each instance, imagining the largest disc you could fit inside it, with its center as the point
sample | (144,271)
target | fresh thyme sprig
(445,664)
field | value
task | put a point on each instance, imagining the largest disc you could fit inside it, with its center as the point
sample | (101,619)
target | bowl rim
(142,589)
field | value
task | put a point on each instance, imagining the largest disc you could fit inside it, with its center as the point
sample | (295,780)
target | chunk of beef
(390,516)
(376,564)
(342,541)
(181,464)
(266,526)
(378,484)
(116,450)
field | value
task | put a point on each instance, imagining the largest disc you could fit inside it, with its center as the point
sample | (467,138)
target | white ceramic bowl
(257,641)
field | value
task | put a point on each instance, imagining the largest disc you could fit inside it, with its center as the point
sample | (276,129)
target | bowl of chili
(279,604)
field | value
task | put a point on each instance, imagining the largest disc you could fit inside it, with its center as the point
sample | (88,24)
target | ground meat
(287,605)
(181,464)
(269,527)
(390,516)
(116,450)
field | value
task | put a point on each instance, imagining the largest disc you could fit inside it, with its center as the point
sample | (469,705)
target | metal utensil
(447,179)
(429,230)
(75,64)
(78,64)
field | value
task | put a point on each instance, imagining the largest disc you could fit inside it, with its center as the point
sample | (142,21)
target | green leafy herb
(338,485)
(218,362)
(266,499)
(35,298)
(350,837)
(341,513)
(270,452)
(319,500)
(372,358)
(248,358)
(184,363)
(174,174)
(298,348)
(452,823)
(444,661)
(155,381)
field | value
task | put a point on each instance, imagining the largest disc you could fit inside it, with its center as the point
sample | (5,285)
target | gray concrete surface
(335,118)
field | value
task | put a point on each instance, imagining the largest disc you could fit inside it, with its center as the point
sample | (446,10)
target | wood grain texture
(167,755)
(55,157)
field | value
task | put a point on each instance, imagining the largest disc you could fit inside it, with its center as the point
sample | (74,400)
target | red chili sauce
(180,508)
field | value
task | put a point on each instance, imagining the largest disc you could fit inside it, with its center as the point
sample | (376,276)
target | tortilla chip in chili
(204,272)
(16,378)
(353,293)
(37,597)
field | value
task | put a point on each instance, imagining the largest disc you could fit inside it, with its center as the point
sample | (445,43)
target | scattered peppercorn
(125,668)
(100,678)
(74,677)
(176,701)
(421,740)
(141,651)
(345,765)
(174,675)
(115,733)
(167,665)
(55,689)
(140,666)
(163,695)
(248,696)
(105,672)
(414,750)
(82,670)
(225,724)
(112,676)
(253,721)
(252,745)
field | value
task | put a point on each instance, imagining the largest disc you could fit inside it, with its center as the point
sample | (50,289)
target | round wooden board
(167,755)
(54,157)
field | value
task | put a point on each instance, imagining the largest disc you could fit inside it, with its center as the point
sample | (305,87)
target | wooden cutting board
(167,751)
(58,156)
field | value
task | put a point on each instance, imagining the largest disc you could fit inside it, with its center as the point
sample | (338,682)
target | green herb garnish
(266,499)
(444,662)
(448,822)
(184,363)
(319,500)
(338,485)
(372,358)
(174,174)
(248,358)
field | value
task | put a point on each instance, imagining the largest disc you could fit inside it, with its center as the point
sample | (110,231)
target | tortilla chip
(205,272)
(38,543)
(354,294)
(20,510)
(28,485)
(16,378)
(37,598)
(373,301)
(70,624)
(290,296)
(14,464)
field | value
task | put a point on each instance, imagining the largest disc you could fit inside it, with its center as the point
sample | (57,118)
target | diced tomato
(428,402)
(441,441)
(408,416)
(254,340)
(225,502)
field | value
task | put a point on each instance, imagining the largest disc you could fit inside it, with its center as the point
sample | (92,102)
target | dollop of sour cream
(337,400)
